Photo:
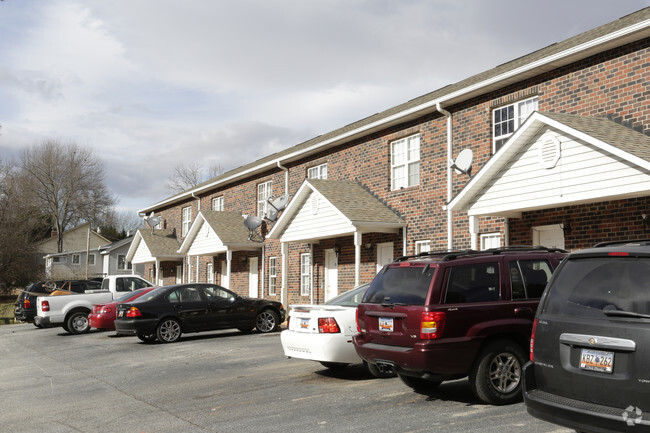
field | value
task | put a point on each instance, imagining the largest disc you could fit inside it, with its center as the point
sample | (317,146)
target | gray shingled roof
(355,202)
(229,227)
(440,94)
(162,243)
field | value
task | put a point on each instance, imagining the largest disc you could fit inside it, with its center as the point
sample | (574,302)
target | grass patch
(6,309)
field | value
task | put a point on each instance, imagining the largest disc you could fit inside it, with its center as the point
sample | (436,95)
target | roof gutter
(551,61)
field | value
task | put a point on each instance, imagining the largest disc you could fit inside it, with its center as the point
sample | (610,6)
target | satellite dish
(153,221)
(272,215)
(252,222)
(463,163)
(280,203)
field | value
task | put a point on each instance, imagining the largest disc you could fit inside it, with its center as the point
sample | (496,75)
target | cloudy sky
(150,84)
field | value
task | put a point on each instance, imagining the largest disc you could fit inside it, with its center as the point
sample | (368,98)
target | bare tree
(66,182)
(191,175)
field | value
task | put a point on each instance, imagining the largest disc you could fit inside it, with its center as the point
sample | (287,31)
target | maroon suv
(443,316)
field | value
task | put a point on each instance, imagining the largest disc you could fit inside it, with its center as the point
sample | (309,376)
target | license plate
(596,360)
(386,324)
(304,323)
(120,313)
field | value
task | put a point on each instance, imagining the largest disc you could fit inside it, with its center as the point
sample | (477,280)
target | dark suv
(443,316)
(591,342)
(25,305)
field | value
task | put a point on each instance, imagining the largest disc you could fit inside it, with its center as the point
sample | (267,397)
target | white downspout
(450,185)
(286,177)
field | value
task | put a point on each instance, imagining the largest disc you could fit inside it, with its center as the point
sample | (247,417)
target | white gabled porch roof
(324,209)
(153,246)
(557,160)
(215,232)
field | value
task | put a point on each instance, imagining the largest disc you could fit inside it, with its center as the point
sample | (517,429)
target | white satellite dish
(153,221)
(277,205)
(252,222)
(463,163)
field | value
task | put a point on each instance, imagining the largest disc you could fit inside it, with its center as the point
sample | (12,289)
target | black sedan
(166,312)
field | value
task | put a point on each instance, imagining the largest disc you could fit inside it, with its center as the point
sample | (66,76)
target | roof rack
(446,255)
(629,241)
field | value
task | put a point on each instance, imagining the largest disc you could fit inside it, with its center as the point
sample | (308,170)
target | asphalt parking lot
(51,381)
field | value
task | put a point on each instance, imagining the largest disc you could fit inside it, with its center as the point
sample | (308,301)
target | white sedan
(324,332)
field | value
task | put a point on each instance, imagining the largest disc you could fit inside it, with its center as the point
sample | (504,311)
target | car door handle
(523,310)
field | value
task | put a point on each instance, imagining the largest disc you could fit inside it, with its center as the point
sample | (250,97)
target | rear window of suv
(600,287)
(407,285)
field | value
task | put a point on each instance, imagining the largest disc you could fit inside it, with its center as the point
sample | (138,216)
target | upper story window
(405,162)
(217,203)
(263,195)
(318,172)
(507,119)
(186,220)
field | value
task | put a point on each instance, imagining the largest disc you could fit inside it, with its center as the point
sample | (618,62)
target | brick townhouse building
(551,149)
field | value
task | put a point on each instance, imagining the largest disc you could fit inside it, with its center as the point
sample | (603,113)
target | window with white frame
(91,259)
(305,274)
(422,247)
(210,271)
(405,162)
(217,203)
(273,274)
(490,240)
(186,220)
(122,264)
(76,259)
(318,172)
(263,194)
(506,120)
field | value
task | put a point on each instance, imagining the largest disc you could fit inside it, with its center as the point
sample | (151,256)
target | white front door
(252,277)
(384,255)
(331,275)
(551,236)
(225,278)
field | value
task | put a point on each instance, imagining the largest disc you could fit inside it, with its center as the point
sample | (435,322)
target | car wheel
(376,372)
(418,384)
(169,331)
(37,325)
(77,323)
(334,365)
(267,321)
(147,338)
(497,376)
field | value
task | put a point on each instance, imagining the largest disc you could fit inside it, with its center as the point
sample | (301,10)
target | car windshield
(351,298)
(400,285)
(601,287)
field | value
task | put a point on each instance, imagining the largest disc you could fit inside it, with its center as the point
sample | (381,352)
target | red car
(103,315)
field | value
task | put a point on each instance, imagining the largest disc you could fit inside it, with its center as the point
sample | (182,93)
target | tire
(418,384)
(147,338)
(376,372)
(38,326)
(168,331)
(335,366)
(267,321)
(497,376)
(77,323)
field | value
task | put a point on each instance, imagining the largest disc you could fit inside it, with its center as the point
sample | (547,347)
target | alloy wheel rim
(505,372)
(265,321)
(170,330)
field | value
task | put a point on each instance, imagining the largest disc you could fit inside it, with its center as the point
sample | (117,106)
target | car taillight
(328,325)
(45,306)
(27,303)
(532,341)
(133,312)
(357,319)
(432,325)
(105,310)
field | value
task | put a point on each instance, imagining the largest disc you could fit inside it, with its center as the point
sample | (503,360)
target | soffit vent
(549,150)
(315,204)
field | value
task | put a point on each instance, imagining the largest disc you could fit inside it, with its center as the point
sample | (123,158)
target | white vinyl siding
(263,194)
(317,218)
(506,120)
(405,162)
(273,275)
(318,172)
(582,174)
(217,203)
(305,274)
(186,220)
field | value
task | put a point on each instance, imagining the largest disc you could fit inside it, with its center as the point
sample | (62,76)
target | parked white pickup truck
(71,311)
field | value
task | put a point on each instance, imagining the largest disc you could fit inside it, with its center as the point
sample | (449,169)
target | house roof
(635,26)
(114,245)
(75,239)
(619,143)
(226,229)
(336,207)
(159,243)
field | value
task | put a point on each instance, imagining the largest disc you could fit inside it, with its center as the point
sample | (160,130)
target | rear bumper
(319,347)
(580,415)
(43,321)
(100,322)
(24,315)
(135,326)
(434,359)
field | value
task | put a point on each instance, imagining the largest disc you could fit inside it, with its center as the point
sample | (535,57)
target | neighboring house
(114,259)
(76,239)
(560,145)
